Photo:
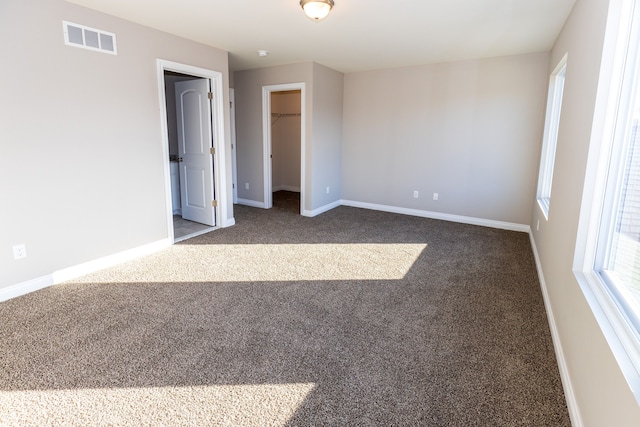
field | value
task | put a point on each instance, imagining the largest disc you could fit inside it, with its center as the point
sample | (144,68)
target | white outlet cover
(19,251)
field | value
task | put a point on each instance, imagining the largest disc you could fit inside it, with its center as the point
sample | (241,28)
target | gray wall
(323,129)
(469,130)
(83,134)
(249,142)
(602,395)
(326,145)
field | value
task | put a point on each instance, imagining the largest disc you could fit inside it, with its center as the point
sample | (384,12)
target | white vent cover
(89,38)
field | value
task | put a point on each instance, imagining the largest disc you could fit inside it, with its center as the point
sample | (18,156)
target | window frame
(620,73)
(550,138)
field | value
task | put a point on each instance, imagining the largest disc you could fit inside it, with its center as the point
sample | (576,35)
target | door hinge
(214,203)
(210,95)
(212,150)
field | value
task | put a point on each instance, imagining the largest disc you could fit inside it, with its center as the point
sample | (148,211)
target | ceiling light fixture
(263,53)
(316,10)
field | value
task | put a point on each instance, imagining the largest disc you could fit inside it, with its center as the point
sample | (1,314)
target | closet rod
(278,115)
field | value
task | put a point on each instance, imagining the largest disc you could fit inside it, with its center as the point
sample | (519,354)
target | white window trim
(620,38)
(550,138)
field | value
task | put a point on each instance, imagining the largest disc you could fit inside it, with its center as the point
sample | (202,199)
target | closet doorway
(285,150)
(283,117)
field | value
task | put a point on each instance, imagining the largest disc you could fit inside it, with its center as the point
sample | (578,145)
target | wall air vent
(89,38)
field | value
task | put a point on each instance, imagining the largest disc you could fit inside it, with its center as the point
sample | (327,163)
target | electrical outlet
(415,194)
(538,226)
(435,196)
(246,185)
(328,189)
(19,251)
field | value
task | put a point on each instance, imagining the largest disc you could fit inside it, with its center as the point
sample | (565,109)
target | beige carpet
(354,317)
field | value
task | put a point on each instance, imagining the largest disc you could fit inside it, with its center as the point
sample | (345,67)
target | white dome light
(316,10)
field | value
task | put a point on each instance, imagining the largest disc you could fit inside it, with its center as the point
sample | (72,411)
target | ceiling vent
(89,38)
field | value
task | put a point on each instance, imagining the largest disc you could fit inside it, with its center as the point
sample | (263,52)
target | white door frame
(266,134)
(218,143)
(234,161)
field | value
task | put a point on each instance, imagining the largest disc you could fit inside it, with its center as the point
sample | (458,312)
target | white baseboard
(24,288)
(438,215)
(569,394)
(252,203)
(321,209)
(81,269)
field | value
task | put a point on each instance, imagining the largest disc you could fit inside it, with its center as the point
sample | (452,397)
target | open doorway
(285,149)
(184,225)
(193,144)
(284,146)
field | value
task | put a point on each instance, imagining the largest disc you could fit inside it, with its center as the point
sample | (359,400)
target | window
(550,139)
(607,262)
(617,258)
(89,38)
(618,251)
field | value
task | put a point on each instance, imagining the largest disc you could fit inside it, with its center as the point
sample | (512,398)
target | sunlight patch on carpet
(223,405)
(268,262)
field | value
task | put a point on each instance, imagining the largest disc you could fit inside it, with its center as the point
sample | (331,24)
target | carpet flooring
(351,318)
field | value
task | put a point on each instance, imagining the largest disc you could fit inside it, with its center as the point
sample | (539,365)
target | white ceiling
(358,35)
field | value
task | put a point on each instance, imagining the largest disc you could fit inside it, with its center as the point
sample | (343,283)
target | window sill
(623,343)
(543,204)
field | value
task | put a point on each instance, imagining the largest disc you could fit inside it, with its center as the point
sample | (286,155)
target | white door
(193,110)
